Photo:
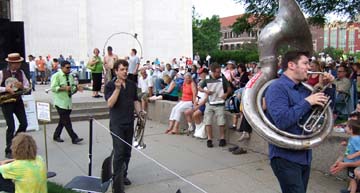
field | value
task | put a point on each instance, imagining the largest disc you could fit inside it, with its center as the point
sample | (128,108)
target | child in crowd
(352,153)
(27,171)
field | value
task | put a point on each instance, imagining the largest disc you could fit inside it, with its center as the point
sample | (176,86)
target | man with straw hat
(13,79)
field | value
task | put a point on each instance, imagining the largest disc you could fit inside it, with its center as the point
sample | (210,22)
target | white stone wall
(76,27)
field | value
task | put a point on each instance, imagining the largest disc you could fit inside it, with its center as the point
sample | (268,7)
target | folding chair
(91,183)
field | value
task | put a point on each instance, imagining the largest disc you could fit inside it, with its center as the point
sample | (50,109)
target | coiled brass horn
(288,28)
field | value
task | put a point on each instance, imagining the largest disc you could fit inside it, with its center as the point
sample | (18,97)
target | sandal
(174,132)
(168,131)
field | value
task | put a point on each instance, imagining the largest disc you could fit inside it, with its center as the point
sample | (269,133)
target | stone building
(163,28)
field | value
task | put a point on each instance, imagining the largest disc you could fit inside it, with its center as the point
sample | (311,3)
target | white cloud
(223,8)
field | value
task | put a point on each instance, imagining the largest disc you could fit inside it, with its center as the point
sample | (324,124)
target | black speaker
(12,40)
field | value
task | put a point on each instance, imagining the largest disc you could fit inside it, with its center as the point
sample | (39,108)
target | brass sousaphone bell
(289,27)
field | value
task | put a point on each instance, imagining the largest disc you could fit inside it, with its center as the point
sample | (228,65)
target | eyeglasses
(340,71)
(67,67)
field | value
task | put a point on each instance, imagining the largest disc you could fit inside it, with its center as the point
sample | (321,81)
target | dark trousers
(8,110)
(293,177)
(6,185)
(122,152)
(245,126)
(64,121)
(133,77)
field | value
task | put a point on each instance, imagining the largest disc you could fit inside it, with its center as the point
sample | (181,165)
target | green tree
(261,12)
(206,33)
(335,53)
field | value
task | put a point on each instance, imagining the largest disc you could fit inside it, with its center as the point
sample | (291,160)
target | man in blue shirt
(289,102)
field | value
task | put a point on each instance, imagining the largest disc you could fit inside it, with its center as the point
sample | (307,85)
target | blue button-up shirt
(286,105)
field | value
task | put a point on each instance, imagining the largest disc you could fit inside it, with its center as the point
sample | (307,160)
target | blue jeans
(293,177)
(33,80)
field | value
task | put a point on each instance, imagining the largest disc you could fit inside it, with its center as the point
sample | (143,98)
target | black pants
(293,177)
(64,121)
(6,185)
(245,126)
(8,110)
(122,152)
(97,77)
(133,77)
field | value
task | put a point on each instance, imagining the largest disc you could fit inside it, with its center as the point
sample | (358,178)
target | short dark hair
(117,63)
(55,60)
(292,56)
(109,48)
(354,125)
(134,50)
(65,62)
(215,66)
(242,67)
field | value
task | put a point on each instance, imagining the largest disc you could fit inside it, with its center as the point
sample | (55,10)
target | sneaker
(239,151)
(58,139)
(232,128)
(127,182)
(222,142)
(77,140)
(209,143)
(231,149)
(244,136)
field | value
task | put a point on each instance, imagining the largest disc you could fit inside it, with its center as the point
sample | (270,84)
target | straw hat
(14,58)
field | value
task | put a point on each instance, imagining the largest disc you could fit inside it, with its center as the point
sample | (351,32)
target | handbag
(200,132)
(91,67)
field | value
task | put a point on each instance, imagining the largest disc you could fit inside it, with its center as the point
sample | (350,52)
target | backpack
(232,104)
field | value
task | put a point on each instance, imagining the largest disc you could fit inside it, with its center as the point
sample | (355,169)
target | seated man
(146,85)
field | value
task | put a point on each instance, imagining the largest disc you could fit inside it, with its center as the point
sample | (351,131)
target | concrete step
(80,112)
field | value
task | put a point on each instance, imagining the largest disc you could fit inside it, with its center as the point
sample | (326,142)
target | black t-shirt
(122,113)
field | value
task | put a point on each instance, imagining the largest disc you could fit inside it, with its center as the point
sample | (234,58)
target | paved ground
(213,170)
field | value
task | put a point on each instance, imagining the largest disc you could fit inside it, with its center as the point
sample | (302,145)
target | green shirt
(29,176)
(62,99)
(98,65)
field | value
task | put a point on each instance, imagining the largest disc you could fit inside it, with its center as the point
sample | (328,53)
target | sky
(223,8)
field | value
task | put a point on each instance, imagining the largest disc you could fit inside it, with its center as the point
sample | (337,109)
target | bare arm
(354,155)
(171,87)
(194,92)
(137,107)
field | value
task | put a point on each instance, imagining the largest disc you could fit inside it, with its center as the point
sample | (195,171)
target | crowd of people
(202,91)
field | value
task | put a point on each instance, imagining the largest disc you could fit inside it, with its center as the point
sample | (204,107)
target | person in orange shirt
(41,67)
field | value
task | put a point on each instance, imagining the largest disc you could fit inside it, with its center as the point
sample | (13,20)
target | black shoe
(231,149)
(209,143)
(127,182)
(239,151)
(58,139)
(232,128)
(8,155)
(222,142)
(77,140)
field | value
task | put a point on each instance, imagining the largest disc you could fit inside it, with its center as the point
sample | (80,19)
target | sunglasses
(67,67)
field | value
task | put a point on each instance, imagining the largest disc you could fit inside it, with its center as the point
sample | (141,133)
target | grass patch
(56,188)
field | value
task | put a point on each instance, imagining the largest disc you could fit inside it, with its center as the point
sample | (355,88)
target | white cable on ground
(150,158)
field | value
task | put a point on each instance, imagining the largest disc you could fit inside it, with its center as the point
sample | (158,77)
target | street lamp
(135,35)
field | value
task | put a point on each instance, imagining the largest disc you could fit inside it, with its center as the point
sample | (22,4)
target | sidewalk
(214,170)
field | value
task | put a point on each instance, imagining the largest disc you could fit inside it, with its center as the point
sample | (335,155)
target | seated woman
(189,93)
(170,92)
(197,111)
(27,170)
